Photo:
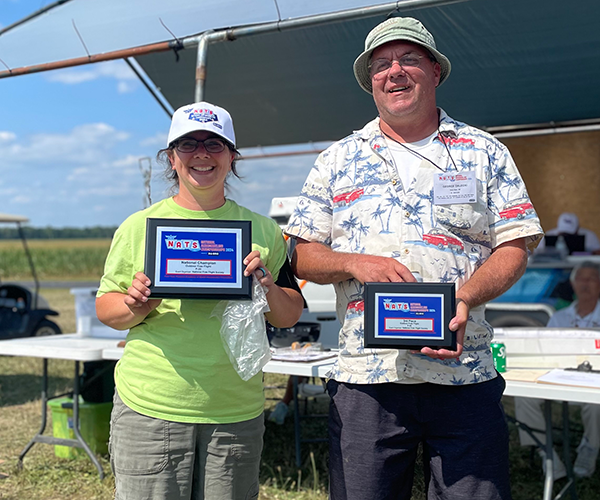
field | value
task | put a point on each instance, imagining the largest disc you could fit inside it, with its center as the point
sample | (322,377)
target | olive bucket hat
(392,30)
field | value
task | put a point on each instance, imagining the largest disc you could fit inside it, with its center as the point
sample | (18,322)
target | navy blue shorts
(375,431)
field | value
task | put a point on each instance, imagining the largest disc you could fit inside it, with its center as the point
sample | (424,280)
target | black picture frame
(416,297)
(221,245)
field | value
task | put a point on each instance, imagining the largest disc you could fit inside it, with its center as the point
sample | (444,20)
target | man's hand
(458,324)
(378,269)
(318,263)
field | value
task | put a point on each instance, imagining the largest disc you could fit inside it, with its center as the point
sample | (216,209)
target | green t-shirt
(174,366)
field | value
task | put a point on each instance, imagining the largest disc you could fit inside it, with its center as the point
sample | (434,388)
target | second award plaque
(198,258)
(409,315)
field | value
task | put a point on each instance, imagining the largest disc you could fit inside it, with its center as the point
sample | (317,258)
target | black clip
(583,367)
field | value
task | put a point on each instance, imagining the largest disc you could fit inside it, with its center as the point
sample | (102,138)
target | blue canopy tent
(284,68)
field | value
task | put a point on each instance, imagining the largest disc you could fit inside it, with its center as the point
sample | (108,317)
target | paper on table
(303,357)
(571,377)
(523,375)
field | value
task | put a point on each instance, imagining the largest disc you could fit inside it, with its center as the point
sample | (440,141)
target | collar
(371,131)
(595,314)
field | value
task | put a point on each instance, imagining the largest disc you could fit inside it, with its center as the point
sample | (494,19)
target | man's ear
(437,71)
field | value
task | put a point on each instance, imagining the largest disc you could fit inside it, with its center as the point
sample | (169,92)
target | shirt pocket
(463,219)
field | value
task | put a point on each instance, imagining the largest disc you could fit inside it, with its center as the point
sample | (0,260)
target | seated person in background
(583,313)
(568,223)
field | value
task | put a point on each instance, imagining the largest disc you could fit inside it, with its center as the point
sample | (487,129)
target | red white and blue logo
(203,116)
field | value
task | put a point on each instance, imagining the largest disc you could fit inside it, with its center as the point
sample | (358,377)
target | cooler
(94,424)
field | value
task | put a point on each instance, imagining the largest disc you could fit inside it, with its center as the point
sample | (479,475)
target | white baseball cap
(201,116)
(568,223)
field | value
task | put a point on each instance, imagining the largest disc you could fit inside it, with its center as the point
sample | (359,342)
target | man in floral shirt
(376,208)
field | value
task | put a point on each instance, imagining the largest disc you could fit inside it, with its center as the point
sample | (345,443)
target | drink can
(499,355)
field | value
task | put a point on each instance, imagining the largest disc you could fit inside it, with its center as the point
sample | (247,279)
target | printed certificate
(409,315)
(198,258)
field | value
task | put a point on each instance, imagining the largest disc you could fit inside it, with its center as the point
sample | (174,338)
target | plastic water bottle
(561,247)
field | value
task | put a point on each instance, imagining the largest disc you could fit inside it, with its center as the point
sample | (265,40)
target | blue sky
(71,141)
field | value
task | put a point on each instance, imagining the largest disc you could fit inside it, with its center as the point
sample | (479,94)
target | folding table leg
(549,479)
(44,414)
(78,442)
(297,435)
(567,454)
(78,436)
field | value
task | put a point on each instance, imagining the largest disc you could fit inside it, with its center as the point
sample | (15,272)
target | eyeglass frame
(224,143)
(384,72)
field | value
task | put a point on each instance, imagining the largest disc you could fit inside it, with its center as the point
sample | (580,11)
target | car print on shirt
(438,238)
(346,199)
(355,309)
(517,209)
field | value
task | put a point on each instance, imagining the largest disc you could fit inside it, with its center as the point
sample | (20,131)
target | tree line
(53,233)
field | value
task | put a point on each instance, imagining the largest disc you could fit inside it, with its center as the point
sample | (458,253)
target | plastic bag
(244,332)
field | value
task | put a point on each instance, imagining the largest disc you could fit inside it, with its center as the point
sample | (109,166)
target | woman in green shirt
(184,424)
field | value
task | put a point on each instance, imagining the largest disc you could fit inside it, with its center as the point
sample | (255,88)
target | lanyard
(419,155)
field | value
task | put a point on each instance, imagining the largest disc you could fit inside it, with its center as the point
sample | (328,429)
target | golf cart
(23,313)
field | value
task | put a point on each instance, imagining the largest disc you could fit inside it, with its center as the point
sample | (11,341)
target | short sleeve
(592,244)
(312,217)
(118,268)
(277,252)
(510,211)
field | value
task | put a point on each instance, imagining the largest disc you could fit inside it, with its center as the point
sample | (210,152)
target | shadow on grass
(23,388)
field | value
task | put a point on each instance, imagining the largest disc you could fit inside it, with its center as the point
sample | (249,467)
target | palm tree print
(392,201)
(363,224)
(376,214)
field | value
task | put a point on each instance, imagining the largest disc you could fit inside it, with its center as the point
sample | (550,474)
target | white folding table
(81,348)
(75,347)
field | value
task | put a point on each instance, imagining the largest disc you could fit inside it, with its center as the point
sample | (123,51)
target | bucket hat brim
(397,29)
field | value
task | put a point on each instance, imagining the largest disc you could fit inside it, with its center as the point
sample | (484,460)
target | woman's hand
(256,266)
(122,311)
(285,304)
(137,298)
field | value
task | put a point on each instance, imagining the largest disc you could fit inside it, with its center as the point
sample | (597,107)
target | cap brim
(183,134)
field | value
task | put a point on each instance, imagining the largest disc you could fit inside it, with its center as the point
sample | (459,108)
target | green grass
(47,477)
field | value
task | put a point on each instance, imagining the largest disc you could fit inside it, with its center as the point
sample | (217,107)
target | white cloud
(21,199)
(124,87)
(158,140)
(90,175)
(7,136)
(85,144)
(116,70)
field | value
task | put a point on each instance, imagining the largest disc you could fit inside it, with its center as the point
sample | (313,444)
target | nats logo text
(388,305)
(174,244)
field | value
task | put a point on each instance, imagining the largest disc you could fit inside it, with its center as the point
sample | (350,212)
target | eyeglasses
(380,66)
(189,145)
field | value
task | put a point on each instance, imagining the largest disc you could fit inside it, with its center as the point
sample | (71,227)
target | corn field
(54,259)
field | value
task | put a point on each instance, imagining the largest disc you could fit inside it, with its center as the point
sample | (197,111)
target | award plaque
(409,315)
(198,258)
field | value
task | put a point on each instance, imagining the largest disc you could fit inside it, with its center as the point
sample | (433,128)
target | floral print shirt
(355,202)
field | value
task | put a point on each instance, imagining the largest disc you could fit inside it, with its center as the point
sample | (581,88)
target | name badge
(454,188)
